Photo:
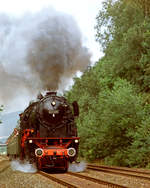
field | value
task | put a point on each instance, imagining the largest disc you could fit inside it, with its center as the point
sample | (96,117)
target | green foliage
(139,151)
(112,27)
(107,121)
(113,96)
(125,40)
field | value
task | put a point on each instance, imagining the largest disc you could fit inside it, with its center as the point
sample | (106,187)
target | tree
(109,116)
(139,152)
(114,95)
(125,41)
(144,4)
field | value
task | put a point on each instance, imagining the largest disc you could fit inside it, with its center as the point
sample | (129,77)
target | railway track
(121,171)
(4,165)
(76,180)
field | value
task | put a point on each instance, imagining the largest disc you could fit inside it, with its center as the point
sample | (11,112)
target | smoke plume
(39,51)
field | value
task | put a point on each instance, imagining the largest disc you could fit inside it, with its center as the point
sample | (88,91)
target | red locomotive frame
(51,152)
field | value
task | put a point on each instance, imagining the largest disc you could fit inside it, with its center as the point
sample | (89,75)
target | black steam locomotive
(47,134)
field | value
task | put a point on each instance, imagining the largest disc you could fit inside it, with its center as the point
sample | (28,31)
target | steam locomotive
(47,134)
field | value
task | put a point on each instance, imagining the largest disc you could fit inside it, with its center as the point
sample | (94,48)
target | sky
(84,12)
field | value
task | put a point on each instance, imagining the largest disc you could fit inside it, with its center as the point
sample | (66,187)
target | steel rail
(94,180)
(126,169)
(5,167)
(57,180)
(2,170)
(118,171)
(102,182)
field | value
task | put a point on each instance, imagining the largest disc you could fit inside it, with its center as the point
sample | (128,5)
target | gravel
(16,179)
(129,182)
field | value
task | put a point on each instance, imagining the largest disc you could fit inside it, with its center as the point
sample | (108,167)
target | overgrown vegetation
(113,96)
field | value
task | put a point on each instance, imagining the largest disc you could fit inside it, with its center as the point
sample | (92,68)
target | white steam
(77,167)
(23,166)
(26,167)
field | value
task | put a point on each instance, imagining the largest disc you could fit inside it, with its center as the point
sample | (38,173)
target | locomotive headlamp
(30,141)
(53,103)
(71,152)
(76,141)
(38,152)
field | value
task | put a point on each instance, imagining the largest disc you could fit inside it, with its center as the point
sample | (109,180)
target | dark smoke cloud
(39,51)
